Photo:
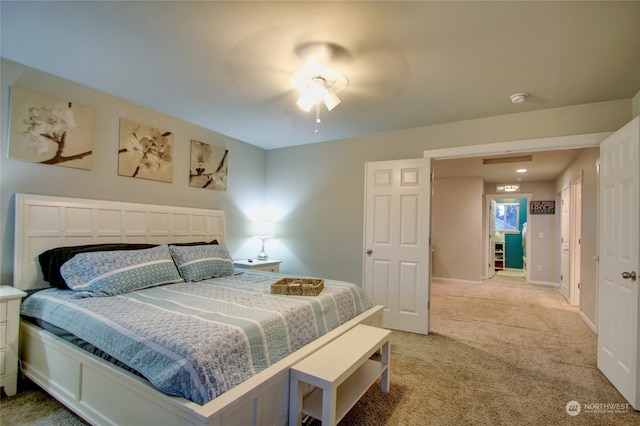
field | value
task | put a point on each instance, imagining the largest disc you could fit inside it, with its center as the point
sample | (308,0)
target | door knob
(630,275)
(370,252)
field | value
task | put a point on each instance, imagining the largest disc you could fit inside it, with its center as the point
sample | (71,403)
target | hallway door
(618,296)
(396,241)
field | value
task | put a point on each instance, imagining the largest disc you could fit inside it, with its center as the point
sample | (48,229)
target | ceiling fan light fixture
(331,100)
(305,102)
(316,81)
(317,84)
(312,94)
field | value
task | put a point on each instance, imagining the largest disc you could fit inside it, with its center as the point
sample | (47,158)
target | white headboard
(44,222)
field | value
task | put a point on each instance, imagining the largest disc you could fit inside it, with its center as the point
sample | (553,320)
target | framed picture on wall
(208,166)
(542,207)
(48,130)
(145,152)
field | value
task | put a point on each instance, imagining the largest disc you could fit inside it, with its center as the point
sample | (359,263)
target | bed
(104,393)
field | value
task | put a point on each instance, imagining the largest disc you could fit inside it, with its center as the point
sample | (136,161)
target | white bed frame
(98,391)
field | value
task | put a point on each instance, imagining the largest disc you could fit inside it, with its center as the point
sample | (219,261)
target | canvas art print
(145,152)
(208,166)
(49,130)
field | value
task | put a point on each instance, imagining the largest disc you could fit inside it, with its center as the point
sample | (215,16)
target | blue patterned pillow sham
(108,273)
(197,263)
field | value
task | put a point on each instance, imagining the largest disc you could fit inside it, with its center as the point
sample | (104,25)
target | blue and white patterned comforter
(198,340)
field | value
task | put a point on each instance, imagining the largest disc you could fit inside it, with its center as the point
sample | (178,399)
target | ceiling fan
(284,66)
(316,81)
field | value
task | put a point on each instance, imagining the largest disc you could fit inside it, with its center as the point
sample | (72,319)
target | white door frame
(528,145)
(576,242)
(487,244)
(564,242)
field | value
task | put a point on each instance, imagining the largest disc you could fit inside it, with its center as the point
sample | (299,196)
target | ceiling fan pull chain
(317,117)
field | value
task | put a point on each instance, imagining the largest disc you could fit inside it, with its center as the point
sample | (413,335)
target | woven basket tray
(298,286)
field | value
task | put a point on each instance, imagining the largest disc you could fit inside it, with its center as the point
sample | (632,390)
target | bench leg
(295,403)
(386,356)
(329,405)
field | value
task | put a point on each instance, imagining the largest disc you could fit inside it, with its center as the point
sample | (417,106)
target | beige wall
(584,168)
(456,234)
(541,229)
(319,188)
(246,164)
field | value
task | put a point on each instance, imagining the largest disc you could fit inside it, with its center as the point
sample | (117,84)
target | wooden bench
(341,373)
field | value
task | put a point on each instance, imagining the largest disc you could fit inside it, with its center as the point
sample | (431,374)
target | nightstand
(10,298)
(270,265)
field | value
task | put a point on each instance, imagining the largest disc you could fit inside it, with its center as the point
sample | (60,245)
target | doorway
(542,228)
(507,223)
(542,252)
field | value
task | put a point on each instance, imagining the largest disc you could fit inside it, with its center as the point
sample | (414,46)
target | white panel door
(565,241)
(396,241)
(618,301)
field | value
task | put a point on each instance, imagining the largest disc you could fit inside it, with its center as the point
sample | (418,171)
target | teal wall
(513,242)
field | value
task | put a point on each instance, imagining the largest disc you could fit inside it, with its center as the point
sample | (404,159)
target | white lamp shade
(264,229)
(305,102)
(311,95)
(331,100)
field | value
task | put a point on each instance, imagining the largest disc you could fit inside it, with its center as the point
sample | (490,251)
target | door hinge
(579,285)
(561,277)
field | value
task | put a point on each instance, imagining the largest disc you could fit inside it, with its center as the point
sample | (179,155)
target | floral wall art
(48,130)
(145,152)
(208,166)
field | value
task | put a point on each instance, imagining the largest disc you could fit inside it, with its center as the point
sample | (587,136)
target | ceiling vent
(506,160)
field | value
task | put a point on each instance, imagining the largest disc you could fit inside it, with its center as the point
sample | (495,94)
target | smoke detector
(518,98)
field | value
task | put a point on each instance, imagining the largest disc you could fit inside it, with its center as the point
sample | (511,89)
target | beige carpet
(500,353)
(513,273)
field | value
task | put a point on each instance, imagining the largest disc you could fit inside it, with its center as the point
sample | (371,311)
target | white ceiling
(225,65)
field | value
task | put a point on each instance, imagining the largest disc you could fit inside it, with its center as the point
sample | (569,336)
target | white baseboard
(455,281)
(546,283)
(591,325)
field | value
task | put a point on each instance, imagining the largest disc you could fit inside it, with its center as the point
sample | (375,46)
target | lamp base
(262,255)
